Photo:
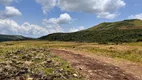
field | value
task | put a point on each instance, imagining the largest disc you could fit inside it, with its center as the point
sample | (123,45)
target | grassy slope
(12,37)
(123,31)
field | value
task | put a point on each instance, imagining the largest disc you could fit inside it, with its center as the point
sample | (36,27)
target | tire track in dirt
(91,68)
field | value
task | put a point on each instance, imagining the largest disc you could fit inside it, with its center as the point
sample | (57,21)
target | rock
(116,68)
(1,69)
(75,75)
(19,52)
(80,68)
(49,61)
(29,78)
(90,71)
(34,64)
(61,69)
(8,67)
(15,57)
(104,64)
(8,62)
(28,63)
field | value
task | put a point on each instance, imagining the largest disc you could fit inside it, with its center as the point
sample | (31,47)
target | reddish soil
(92,68)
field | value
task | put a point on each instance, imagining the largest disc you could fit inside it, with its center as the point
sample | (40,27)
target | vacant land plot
(35,60)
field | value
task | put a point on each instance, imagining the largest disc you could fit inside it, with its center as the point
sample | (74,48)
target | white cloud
(107,15)
(53,28)
(137,16)
(7,2)
(103,9)
(63,19)
(8,26)
(10,12)
(77,29)
(54,24)
(47,5)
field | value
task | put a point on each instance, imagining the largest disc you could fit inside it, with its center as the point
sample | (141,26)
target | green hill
(122,31)
(12,37)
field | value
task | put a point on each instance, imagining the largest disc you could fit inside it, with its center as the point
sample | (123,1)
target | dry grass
(35,61)
(129,51)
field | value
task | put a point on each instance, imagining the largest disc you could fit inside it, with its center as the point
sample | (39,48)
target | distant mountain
(12,37)
(122,31)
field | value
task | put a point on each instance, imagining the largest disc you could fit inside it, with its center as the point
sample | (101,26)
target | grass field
(30,60)
(128,51)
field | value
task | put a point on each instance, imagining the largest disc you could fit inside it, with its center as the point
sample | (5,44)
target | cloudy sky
(35,18)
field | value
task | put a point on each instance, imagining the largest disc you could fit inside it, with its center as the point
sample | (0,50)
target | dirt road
(92,68)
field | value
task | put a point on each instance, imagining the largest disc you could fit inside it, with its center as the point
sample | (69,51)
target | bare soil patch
(92,68)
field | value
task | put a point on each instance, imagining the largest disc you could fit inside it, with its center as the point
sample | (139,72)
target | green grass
(133,55)
(126,51)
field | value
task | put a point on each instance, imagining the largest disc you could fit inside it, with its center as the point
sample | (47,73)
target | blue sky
(35,18)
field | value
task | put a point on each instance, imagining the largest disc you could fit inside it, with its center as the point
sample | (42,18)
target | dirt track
(93,69)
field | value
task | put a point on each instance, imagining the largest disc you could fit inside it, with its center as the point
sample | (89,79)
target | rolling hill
(12,37)
(122,31)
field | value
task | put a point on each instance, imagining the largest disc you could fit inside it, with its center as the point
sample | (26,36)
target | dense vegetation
(12,37)
(123,31)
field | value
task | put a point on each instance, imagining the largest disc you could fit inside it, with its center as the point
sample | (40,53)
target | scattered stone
(61,69)
(29,78)
(49,61)
(90,71)
(34,64)
(104,64)
(80,68)
(75,75)
(116,68)
(28,63)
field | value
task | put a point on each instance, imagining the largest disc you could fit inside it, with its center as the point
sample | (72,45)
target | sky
(36,18)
